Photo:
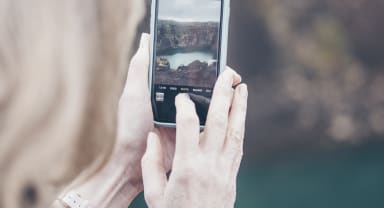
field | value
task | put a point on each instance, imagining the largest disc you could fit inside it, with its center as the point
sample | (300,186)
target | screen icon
(159,97)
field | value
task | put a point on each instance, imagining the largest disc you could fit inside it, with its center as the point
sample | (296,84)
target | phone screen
(186,55)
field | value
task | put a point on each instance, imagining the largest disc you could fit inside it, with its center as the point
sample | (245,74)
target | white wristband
(74,200)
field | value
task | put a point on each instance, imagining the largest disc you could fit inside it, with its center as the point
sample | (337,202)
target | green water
(179,59)
(346,177)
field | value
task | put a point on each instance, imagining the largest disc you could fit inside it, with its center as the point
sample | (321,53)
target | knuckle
(234,146)
(207,180)
(219,118)
(214,176)
(184,178)
(186,173)
(219,181)
(224,92)
(236,138)
(234,151)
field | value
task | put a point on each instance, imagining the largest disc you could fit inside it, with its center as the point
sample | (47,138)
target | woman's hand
(135,117)
(120,180)
(206,164)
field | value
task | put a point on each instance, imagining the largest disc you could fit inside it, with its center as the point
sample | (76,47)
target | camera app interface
(186,54)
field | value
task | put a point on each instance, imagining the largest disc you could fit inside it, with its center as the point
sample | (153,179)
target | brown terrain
(176,37)
(194,74)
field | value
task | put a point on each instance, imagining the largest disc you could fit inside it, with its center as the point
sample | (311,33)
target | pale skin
(204,165)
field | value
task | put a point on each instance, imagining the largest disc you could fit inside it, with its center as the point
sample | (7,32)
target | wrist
(130,161)
(115,184)
(129,168)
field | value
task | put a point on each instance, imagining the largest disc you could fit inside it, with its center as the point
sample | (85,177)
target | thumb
(139,65)
(137,80)
(154,174)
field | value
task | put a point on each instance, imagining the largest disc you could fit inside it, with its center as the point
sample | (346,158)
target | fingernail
(183,96)
(238,76)
(181,99)
(232,75)
(235,72)
(243,90)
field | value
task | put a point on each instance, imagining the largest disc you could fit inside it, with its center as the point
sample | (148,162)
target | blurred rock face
(314,68)
(362,20)
(176,36)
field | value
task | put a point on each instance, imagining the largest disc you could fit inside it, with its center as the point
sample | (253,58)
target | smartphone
(188,52)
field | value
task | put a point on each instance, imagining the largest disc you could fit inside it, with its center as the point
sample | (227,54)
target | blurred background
(315,128)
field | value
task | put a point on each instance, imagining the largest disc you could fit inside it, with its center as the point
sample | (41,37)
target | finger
(234,142)
(217,119)
(168,138)
(154,175)
(187,127)
(139,65)
(237,78)
(136,86)
(236,125)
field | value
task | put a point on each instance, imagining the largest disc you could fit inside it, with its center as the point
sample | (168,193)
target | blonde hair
(62,68)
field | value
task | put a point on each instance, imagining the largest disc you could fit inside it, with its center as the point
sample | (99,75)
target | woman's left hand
(135,117)
(120,180)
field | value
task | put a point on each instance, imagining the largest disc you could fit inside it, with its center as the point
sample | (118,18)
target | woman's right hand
(206,164)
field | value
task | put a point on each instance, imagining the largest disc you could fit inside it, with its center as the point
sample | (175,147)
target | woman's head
(62,67)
